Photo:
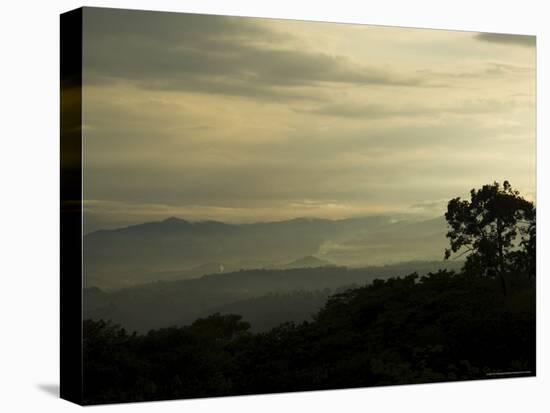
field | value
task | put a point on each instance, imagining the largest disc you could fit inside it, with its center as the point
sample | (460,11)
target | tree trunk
(501,257)
(503,284)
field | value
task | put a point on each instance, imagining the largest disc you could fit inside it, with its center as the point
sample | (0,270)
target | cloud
(486,71)
(327,126)
(495,68)
(431,207)
(377,111)
(107,214)
(214,54)
(369,111)
(510,39)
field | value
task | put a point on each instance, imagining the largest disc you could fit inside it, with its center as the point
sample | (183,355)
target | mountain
(305,262)
(270,310)
(266,296)
(208,268)
(176,248)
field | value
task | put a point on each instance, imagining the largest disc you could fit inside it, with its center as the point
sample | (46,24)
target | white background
(29,193)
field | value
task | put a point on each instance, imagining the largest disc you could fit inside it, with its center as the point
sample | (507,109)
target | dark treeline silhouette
(442,326)
(496,228)
(264,297)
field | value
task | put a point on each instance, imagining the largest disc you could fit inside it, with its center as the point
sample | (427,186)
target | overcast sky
(243,119)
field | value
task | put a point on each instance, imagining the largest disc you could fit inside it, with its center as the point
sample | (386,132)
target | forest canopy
(474,323)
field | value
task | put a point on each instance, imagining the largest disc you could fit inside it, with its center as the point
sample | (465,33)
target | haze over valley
(174,271)
(276,205)
(178,249)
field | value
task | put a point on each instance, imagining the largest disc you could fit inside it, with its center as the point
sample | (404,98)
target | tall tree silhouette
(487,228)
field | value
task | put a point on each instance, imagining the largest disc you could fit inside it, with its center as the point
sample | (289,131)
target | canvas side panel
(71,206)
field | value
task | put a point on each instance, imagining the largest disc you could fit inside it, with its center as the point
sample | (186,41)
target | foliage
(265,297)
(443,326)
(488,228)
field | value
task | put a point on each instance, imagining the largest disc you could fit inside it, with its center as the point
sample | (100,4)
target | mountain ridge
(175,247)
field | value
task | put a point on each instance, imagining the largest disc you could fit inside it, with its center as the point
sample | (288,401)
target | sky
(244,119)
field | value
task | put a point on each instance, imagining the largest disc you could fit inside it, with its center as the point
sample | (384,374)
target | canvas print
(261,205)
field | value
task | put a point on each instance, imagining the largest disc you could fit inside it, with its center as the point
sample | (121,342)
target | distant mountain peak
(308,261)
(307,219)
(311,260)
(174,220)
(140,253)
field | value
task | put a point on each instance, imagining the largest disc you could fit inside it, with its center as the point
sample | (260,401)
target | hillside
(270,295)
(175,248)
(443,327)
(305,262)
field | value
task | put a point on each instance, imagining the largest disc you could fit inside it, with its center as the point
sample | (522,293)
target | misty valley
(254,206)
(254,270)
(175,249)
(264,297)
(290,305)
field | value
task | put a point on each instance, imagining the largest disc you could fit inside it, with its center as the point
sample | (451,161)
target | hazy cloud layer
(511,39)
(374,111)
(215,54)
(210,117)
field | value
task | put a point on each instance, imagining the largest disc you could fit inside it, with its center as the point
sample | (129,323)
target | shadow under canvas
(51,389)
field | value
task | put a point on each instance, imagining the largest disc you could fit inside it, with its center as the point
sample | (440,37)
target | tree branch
(461,254)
